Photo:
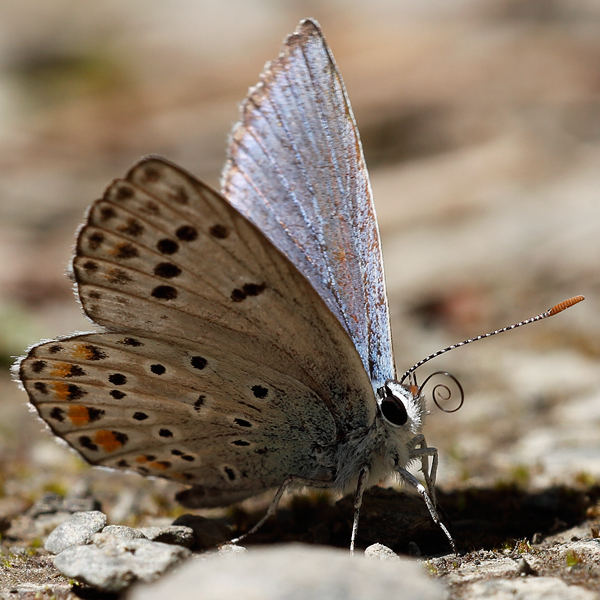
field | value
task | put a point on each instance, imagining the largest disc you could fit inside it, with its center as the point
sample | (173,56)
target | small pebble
(381,552)
(77,529)
(525,568)
(179,535)
(111,564)
(121,531)
(230,549)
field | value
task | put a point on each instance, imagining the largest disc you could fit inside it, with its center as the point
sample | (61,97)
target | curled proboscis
(443,393)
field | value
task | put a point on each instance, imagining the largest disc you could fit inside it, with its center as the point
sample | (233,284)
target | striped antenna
(557,308)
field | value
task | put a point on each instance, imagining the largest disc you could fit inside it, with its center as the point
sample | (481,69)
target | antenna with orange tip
(557,308)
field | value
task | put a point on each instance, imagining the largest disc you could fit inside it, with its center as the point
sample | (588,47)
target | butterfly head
(401,407)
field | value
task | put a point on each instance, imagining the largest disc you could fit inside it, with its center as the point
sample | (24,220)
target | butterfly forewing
(296,170)
(233,287)
(219,348)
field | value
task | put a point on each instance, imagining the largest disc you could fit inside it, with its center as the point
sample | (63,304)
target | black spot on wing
(186,233)
(198,362)
(167,270)
(219,231)
(247,290)
(124,192)
(125,251)
(180,196)
(151,208)
(151,174)
(38,366)
(41,387)
(86,442)
(118,276)
(107,213)
(131,342)
(164,292)
(95,240)
(74,392)
(90,266)
(260,392)
(167,246)
(133,228)
(75,371)
(58,414)
(117,379)
(94,353)
(95,414)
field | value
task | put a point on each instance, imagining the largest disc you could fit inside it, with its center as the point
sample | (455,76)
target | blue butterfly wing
(296,170)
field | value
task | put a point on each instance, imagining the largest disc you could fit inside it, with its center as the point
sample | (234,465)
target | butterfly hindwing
(193,413)
(296,170)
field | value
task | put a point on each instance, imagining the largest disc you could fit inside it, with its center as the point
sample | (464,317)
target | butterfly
(245,339)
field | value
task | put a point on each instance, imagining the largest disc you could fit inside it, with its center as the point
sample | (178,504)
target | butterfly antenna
(557,308)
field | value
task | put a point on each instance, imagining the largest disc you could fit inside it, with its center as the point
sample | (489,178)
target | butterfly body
(245,340)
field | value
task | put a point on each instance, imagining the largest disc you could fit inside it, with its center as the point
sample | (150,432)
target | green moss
(585,479)
(522,547)
(431,568)
(521,475)
(572,558)
(56,487)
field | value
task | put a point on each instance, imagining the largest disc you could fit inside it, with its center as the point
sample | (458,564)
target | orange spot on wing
(79,415)
(158,465)
(107,440)
(61,390)
(141,459)
(61,370)
(82,352)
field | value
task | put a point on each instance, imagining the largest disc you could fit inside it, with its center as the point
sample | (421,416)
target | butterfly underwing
(244,338)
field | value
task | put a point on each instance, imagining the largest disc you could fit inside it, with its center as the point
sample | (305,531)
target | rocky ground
(481,127)
(509,542)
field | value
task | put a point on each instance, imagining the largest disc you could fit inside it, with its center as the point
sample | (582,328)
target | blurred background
(481,128)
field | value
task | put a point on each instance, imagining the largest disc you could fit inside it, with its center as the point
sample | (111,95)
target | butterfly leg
(419,449)
(414,482)
(287,482)
(360,489)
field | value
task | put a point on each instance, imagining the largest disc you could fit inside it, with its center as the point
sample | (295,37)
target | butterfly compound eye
(393,410)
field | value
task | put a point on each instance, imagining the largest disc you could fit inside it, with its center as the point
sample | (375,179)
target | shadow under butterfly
(246,340)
